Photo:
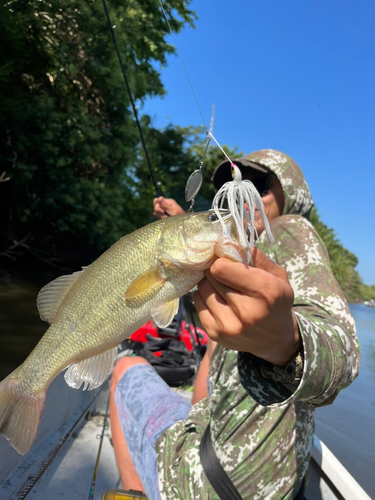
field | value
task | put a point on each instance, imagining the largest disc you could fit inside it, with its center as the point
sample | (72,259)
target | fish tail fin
(20,413)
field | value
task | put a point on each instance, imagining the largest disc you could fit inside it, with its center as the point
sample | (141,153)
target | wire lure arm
(195,180)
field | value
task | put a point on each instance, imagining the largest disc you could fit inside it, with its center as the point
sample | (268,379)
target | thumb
(158,199)
(261,261)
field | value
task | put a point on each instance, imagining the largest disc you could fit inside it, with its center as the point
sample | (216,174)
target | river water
(347,427)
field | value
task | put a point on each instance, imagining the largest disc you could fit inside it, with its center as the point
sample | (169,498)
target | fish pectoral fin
(91,372)
(147,282)
(164,314)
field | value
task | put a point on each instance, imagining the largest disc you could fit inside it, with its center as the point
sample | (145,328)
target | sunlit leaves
(70,143)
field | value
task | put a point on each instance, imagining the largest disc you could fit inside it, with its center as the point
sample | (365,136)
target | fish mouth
(230,249)
(200,253)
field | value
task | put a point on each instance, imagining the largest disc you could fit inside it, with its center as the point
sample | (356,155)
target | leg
(128,474)
(200,385)
(142,406)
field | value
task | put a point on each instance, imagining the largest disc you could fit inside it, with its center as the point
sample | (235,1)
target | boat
(73,456)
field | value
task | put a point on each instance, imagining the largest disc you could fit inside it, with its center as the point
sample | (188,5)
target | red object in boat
(183,334)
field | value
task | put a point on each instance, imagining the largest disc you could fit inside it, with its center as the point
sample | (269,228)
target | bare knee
(122,366)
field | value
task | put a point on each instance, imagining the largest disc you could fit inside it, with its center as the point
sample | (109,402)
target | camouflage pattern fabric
(296,191)
(262,426)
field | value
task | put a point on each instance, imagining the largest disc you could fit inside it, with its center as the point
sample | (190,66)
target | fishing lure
(238,197)
(242,200)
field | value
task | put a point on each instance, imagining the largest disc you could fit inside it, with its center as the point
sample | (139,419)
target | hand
(250,308)
(163,207)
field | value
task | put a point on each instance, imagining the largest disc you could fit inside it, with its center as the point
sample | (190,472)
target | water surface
(347,426)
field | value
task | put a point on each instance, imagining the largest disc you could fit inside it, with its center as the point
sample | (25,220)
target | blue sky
(292,75)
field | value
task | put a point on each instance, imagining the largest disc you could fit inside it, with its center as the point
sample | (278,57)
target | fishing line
(209,134)
(195,180)
(183,65)
(208,131)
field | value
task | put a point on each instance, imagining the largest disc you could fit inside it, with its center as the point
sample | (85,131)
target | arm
(254,318)
(200,384)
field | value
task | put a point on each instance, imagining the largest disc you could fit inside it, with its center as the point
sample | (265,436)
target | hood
(298,199)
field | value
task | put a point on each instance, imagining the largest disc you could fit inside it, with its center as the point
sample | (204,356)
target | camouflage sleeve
(331,354)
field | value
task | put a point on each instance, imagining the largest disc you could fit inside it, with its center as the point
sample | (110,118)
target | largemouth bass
(141,277)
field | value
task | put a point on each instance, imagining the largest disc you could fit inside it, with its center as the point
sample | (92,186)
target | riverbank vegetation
(343,261)
(73,177)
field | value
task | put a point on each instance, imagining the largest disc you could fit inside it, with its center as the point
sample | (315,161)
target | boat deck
(65,470)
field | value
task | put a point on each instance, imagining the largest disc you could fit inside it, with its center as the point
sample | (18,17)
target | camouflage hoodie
(262,420)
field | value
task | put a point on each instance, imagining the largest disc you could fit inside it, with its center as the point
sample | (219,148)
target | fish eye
(212,217)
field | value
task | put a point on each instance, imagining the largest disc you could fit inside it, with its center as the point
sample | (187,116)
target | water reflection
(347,426)
(364,318)
(20,324)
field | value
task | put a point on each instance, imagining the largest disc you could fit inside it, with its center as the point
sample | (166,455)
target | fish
(141,277)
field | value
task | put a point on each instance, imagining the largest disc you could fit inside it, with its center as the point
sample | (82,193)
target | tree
(343,262)
(70,143)
(367,292)
(175,153)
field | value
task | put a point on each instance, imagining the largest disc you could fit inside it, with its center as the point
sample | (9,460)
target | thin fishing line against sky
(293,76)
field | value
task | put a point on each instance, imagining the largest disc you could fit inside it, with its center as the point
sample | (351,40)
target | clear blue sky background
(292,75)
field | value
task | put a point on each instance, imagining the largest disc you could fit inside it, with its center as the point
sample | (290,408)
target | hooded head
(297,196)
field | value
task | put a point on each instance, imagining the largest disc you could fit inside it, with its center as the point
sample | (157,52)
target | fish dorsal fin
(145,285)
(163,314)
(51,295)
(91,372)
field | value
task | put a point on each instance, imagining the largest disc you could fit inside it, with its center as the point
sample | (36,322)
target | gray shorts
(147,406)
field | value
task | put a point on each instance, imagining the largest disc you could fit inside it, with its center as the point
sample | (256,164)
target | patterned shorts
(147,406)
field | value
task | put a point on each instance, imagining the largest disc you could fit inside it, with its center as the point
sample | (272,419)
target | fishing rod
(152,173)
(194,182)
(93,481)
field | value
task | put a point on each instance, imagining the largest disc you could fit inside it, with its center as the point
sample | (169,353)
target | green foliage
(367,292)
(343,262)
(175,153)
(70,143)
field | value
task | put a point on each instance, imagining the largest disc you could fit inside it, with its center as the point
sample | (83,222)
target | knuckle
(245,315)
